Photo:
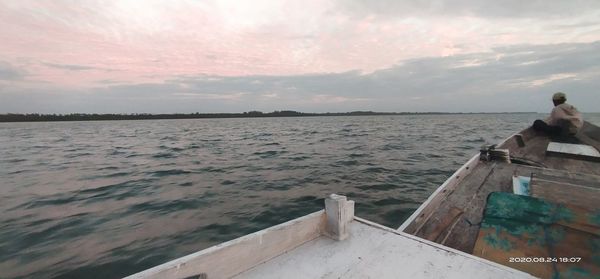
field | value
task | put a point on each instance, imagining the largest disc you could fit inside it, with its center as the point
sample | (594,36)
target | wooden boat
(528,207)
(563,177)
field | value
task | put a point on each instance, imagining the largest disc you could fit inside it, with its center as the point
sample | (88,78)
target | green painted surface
(595,246)
(521,225)
(497,242)
(528,209)
(576,273)
(595,218)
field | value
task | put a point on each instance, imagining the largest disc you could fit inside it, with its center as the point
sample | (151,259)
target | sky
(150,56)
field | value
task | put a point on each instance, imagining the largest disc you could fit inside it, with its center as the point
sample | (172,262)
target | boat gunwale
(462,171)
(179,262)
(438,246)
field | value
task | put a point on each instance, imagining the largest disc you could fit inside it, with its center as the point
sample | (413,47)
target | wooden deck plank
(535,150)
(452,199)
(452,218)
(566,193)
(575,149)
(590,135)
(371,252)
(454,222)
(439,221)
(428,208)
(463,235)
(460,233)
(568,177)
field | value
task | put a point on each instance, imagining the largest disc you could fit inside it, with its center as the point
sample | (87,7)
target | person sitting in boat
(564,119)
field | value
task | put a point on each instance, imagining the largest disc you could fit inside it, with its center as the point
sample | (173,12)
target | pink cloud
(144,41)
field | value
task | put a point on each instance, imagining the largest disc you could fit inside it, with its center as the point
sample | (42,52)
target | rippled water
(107,199)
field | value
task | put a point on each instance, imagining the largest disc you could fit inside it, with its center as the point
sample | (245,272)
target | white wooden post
(340,212)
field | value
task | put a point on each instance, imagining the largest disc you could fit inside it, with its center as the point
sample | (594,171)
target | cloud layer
(538,9)
(517,78)
(227,56)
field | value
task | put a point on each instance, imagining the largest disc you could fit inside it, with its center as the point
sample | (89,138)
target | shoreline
(34,117)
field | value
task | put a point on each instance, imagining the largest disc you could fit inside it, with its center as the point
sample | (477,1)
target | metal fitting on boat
(484,152)
(490,153)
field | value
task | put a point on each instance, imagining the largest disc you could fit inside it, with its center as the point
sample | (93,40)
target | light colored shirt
(566,115)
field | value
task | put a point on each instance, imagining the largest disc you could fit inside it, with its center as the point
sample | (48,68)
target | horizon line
(35,117)
(267,112)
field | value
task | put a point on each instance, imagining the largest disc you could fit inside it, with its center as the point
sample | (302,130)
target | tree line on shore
(34,117)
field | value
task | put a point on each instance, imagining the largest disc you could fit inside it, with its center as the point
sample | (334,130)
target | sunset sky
(314,56)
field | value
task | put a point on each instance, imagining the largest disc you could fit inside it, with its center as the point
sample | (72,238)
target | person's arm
(554,116)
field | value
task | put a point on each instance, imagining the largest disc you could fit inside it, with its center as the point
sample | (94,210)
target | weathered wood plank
(536,151)
(590,130)
(456,198)
(519,140)
(452,217)
(429,207)
(373,252)
(529,145)
(448,220)
(590,135)
(230,258)
(574,151)
(463,235)
(570,148)
(443,225)
(566,193)
(563,176)
(469,199)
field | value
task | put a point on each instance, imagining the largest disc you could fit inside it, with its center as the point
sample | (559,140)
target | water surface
(108,199)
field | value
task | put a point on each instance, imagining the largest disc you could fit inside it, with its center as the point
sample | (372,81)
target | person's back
(564,118)
(567,117)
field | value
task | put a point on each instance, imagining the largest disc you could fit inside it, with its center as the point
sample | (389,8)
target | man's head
(559,98)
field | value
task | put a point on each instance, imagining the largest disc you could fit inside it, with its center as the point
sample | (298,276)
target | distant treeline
(11,117)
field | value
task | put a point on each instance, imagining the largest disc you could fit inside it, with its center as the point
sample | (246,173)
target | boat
(531,203)
(528,207)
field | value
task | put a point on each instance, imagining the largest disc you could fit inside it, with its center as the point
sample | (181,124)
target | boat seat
(575,151)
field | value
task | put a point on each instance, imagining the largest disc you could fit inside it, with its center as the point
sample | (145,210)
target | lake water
(108,199)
